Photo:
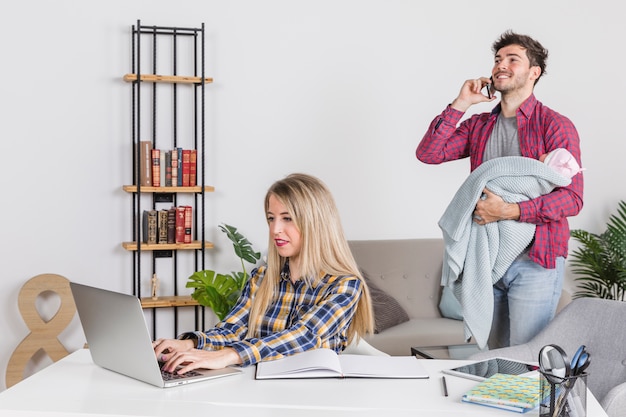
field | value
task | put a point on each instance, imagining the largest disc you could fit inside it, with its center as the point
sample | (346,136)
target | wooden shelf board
(146,189)
(196,244)
(174,79)
(168,301)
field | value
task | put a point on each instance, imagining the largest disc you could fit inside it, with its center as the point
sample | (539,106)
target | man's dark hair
(536,53)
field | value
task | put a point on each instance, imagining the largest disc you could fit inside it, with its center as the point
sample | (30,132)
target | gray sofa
(408,270)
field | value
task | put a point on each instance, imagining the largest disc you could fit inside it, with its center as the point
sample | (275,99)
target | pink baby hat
(563,162)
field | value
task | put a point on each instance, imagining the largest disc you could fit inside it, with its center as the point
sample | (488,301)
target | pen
(445,386)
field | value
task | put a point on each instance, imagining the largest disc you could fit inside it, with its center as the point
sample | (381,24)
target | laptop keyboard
(171,376)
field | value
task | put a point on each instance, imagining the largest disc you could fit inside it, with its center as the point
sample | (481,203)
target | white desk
(75,386)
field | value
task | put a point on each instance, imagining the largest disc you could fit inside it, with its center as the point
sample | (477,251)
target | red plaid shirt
(540,130)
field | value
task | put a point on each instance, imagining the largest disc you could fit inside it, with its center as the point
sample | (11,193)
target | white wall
(342,89)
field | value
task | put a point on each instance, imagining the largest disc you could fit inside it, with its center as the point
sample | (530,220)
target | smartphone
(489,86)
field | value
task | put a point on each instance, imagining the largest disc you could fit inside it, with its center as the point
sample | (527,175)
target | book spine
(156,168)
(162,227)
(144,226)
(497,402)
(171,225)
(188,223)
(179,173)
(499,406)
(150,226)
(174,168)
(145,163)
(193,168)
(168,168)
(186,167)
(162,168)
(180,224)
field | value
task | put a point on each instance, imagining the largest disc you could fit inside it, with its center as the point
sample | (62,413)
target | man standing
(526,297)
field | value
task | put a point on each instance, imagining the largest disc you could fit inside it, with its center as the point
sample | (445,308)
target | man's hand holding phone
(471,93)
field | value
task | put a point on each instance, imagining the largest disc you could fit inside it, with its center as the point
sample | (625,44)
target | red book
(193,168)
(188,214)
(156,168)
(186,167)
(180,224)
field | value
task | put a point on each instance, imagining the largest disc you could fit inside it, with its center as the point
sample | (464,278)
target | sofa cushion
(409,270)
(387,311)
(449,306)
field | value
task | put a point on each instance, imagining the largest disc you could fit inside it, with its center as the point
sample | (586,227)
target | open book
(325,363)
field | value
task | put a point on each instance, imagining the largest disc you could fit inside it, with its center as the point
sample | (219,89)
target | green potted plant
(220,292)
(600,261)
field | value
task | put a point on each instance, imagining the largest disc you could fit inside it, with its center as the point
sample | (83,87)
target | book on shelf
(186,167)
(149,226)
(326,363)
(162,168)
(508,392)
(145,163)
(171,225)
(180,224)
(179,167)
(193,167)
(174,168)
(156,167)
(168,168)
(188,224)
(162,226)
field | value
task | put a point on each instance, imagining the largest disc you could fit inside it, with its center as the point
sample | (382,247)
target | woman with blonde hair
(309,295)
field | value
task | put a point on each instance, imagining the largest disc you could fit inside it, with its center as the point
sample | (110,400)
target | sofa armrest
(522,353)
(614,403)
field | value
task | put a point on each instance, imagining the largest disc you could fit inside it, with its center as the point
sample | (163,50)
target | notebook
(119,340)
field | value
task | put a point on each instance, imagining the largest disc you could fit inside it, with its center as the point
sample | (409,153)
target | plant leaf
(220,292)
(213,290)
(243,247)
(600,260)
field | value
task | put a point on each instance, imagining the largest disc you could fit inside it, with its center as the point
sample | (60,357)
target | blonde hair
(324,250)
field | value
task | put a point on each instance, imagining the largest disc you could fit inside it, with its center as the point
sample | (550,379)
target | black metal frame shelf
(153,79)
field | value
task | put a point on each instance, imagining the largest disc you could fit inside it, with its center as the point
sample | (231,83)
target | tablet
(482,370)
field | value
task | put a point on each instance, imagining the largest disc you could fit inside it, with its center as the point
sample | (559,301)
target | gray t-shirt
(503,140)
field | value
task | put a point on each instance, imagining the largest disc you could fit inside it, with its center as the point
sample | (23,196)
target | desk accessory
(564,382)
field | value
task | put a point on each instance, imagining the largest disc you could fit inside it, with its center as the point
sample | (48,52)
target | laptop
(119,339)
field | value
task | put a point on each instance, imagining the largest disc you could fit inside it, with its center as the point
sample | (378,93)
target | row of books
(167,168)
(171,225)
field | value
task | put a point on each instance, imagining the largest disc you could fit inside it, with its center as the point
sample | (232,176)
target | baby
(562,161)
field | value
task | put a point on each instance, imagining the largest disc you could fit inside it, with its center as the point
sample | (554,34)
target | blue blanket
(477,256)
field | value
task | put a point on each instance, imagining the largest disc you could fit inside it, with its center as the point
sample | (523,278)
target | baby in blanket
(562,161)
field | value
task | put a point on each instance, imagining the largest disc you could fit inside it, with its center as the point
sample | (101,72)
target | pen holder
(564,399)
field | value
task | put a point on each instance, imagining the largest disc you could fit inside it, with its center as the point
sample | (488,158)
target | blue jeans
(525,300)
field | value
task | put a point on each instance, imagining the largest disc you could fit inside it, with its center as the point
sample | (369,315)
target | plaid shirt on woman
(299,319)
